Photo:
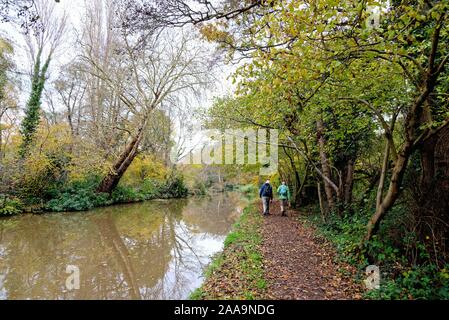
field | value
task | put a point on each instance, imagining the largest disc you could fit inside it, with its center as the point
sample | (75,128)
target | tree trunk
(296,190)
(1,135)
(119,251)
(122,163)
(1,141)
(302,184)
(392,193)
(349,181)
(298,186)
(427,152)
(325,167)
(380,188)
(320,200)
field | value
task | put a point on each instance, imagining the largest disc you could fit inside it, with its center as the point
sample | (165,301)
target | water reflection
(151,250)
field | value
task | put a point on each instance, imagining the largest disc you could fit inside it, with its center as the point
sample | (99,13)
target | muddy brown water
(151,250)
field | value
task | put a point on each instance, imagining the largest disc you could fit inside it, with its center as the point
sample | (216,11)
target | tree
(298,52)
(42,44)
(145,74)
(71,87)
(22,11)
(7,101)
(151,15)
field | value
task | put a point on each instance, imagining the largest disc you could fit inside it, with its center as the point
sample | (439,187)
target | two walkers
(266,193)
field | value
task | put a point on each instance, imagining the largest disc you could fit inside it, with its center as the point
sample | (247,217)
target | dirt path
(299,265)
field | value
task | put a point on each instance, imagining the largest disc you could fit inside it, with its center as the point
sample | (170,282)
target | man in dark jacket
(266,193)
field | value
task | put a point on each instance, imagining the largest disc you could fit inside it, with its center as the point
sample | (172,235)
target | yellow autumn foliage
(144,167)
(45,164)
(87,159)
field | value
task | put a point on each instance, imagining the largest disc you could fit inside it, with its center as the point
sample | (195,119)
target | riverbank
(237,272)
(83,195)
(276,257)
(16,207)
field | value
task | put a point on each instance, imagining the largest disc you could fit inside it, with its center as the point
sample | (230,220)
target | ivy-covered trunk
(30,122)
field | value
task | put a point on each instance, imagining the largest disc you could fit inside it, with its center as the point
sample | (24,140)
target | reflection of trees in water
(36,252)
(111,239)
(140,251)
(213,214)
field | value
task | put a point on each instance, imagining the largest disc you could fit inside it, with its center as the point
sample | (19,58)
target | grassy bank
(237,272)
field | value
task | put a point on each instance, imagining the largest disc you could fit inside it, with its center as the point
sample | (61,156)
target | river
(150,250)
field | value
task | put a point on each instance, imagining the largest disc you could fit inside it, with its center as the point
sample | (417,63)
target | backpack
(283,191)
(267,190)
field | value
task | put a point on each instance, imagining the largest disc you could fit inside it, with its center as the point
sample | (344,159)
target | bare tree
(152,14)
(71,87)
(142,76)
(22,12)
(43,42)
(104,113)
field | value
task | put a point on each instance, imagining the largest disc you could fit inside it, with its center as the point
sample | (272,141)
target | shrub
(419,282)
(144,167)
(126,194)
(78,196)
(401,277)
(82,195)
(150,188)
(173,187)
(346,233)
(10,206)
(45,166)
(199,188)
(248,189)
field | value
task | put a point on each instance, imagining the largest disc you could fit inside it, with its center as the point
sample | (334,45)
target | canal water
(150,250)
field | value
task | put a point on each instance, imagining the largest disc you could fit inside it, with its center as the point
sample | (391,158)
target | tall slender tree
(42,44)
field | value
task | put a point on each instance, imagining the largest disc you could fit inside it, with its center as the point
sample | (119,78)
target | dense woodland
(358,91)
